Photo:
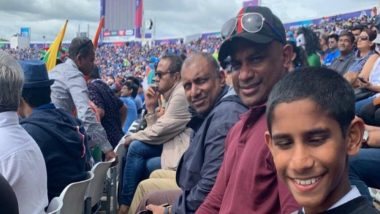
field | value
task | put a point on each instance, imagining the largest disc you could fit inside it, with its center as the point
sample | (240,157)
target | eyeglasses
(161,74)
(363,38)
(250,22)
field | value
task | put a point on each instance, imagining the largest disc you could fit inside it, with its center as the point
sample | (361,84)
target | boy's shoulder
(355,206)
(358,205)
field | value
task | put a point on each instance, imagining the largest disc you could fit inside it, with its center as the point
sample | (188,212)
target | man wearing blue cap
(60,136)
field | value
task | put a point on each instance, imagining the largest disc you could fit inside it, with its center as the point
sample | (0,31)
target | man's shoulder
(230,107)
(56,116)
(18,147)
(230,102)
(65,69)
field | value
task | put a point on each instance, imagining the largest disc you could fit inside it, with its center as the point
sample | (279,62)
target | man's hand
(160,112)
(127,140)
(109,155)
(364,83)
(151,97)
(156,209)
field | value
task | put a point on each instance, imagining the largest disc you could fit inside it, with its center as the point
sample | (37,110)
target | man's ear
(294,56)
(222,77)
(355,136)
(287,52)
(268,140)
(78,60)
(178,76)
(22,108)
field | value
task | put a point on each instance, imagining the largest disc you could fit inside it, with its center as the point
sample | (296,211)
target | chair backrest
(120,152)
(73,196)
(96,186)
(55,206)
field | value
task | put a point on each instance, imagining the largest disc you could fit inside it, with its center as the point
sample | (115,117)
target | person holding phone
(370,81)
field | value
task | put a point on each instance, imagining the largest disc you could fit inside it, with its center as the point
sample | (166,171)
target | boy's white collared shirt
(352,194)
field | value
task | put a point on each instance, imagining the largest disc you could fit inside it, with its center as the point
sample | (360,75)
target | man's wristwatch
(365,136)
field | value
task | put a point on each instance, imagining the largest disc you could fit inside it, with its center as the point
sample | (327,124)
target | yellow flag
(51,54)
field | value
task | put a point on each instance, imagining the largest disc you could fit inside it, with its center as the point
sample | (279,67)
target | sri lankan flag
(51,54)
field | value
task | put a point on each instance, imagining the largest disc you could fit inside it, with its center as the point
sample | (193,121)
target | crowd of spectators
(131,58)
(198,136)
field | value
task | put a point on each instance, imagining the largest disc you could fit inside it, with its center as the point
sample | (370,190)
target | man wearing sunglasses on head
(259,58)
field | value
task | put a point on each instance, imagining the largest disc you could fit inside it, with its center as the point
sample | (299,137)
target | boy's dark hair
(334,36)
(133,86)
(349,35)
(36,97)
(328,89)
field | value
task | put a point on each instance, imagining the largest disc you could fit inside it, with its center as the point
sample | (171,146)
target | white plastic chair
(72,196)
(95,188)
(113,176)
(55,206)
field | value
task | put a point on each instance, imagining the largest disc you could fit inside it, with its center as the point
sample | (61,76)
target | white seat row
(80,197)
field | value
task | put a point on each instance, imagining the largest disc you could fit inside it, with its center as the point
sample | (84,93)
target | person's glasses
(363,38)
(250,22)
(160,74)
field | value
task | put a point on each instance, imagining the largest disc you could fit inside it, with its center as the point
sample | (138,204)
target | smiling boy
(312,131)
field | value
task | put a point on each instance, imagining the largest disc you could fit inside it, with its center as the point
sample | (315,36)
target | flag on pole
(138,17)
(51,54)
(98,31)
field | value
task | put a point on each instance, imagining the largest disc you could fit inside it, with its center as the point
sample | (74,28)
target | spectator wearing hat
(247,180)
(69,91)
(21,161)
(60,136)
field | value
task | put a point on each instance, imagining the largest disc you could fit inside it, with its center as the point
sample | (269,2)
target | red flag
(97,34)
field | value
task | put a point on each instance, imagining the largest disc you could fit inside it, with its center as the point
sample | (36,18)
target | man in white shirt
(21,161)
(70,92)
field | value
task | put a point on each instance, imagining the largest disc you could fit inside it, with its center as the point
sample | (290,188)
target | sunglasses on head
(250,22)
